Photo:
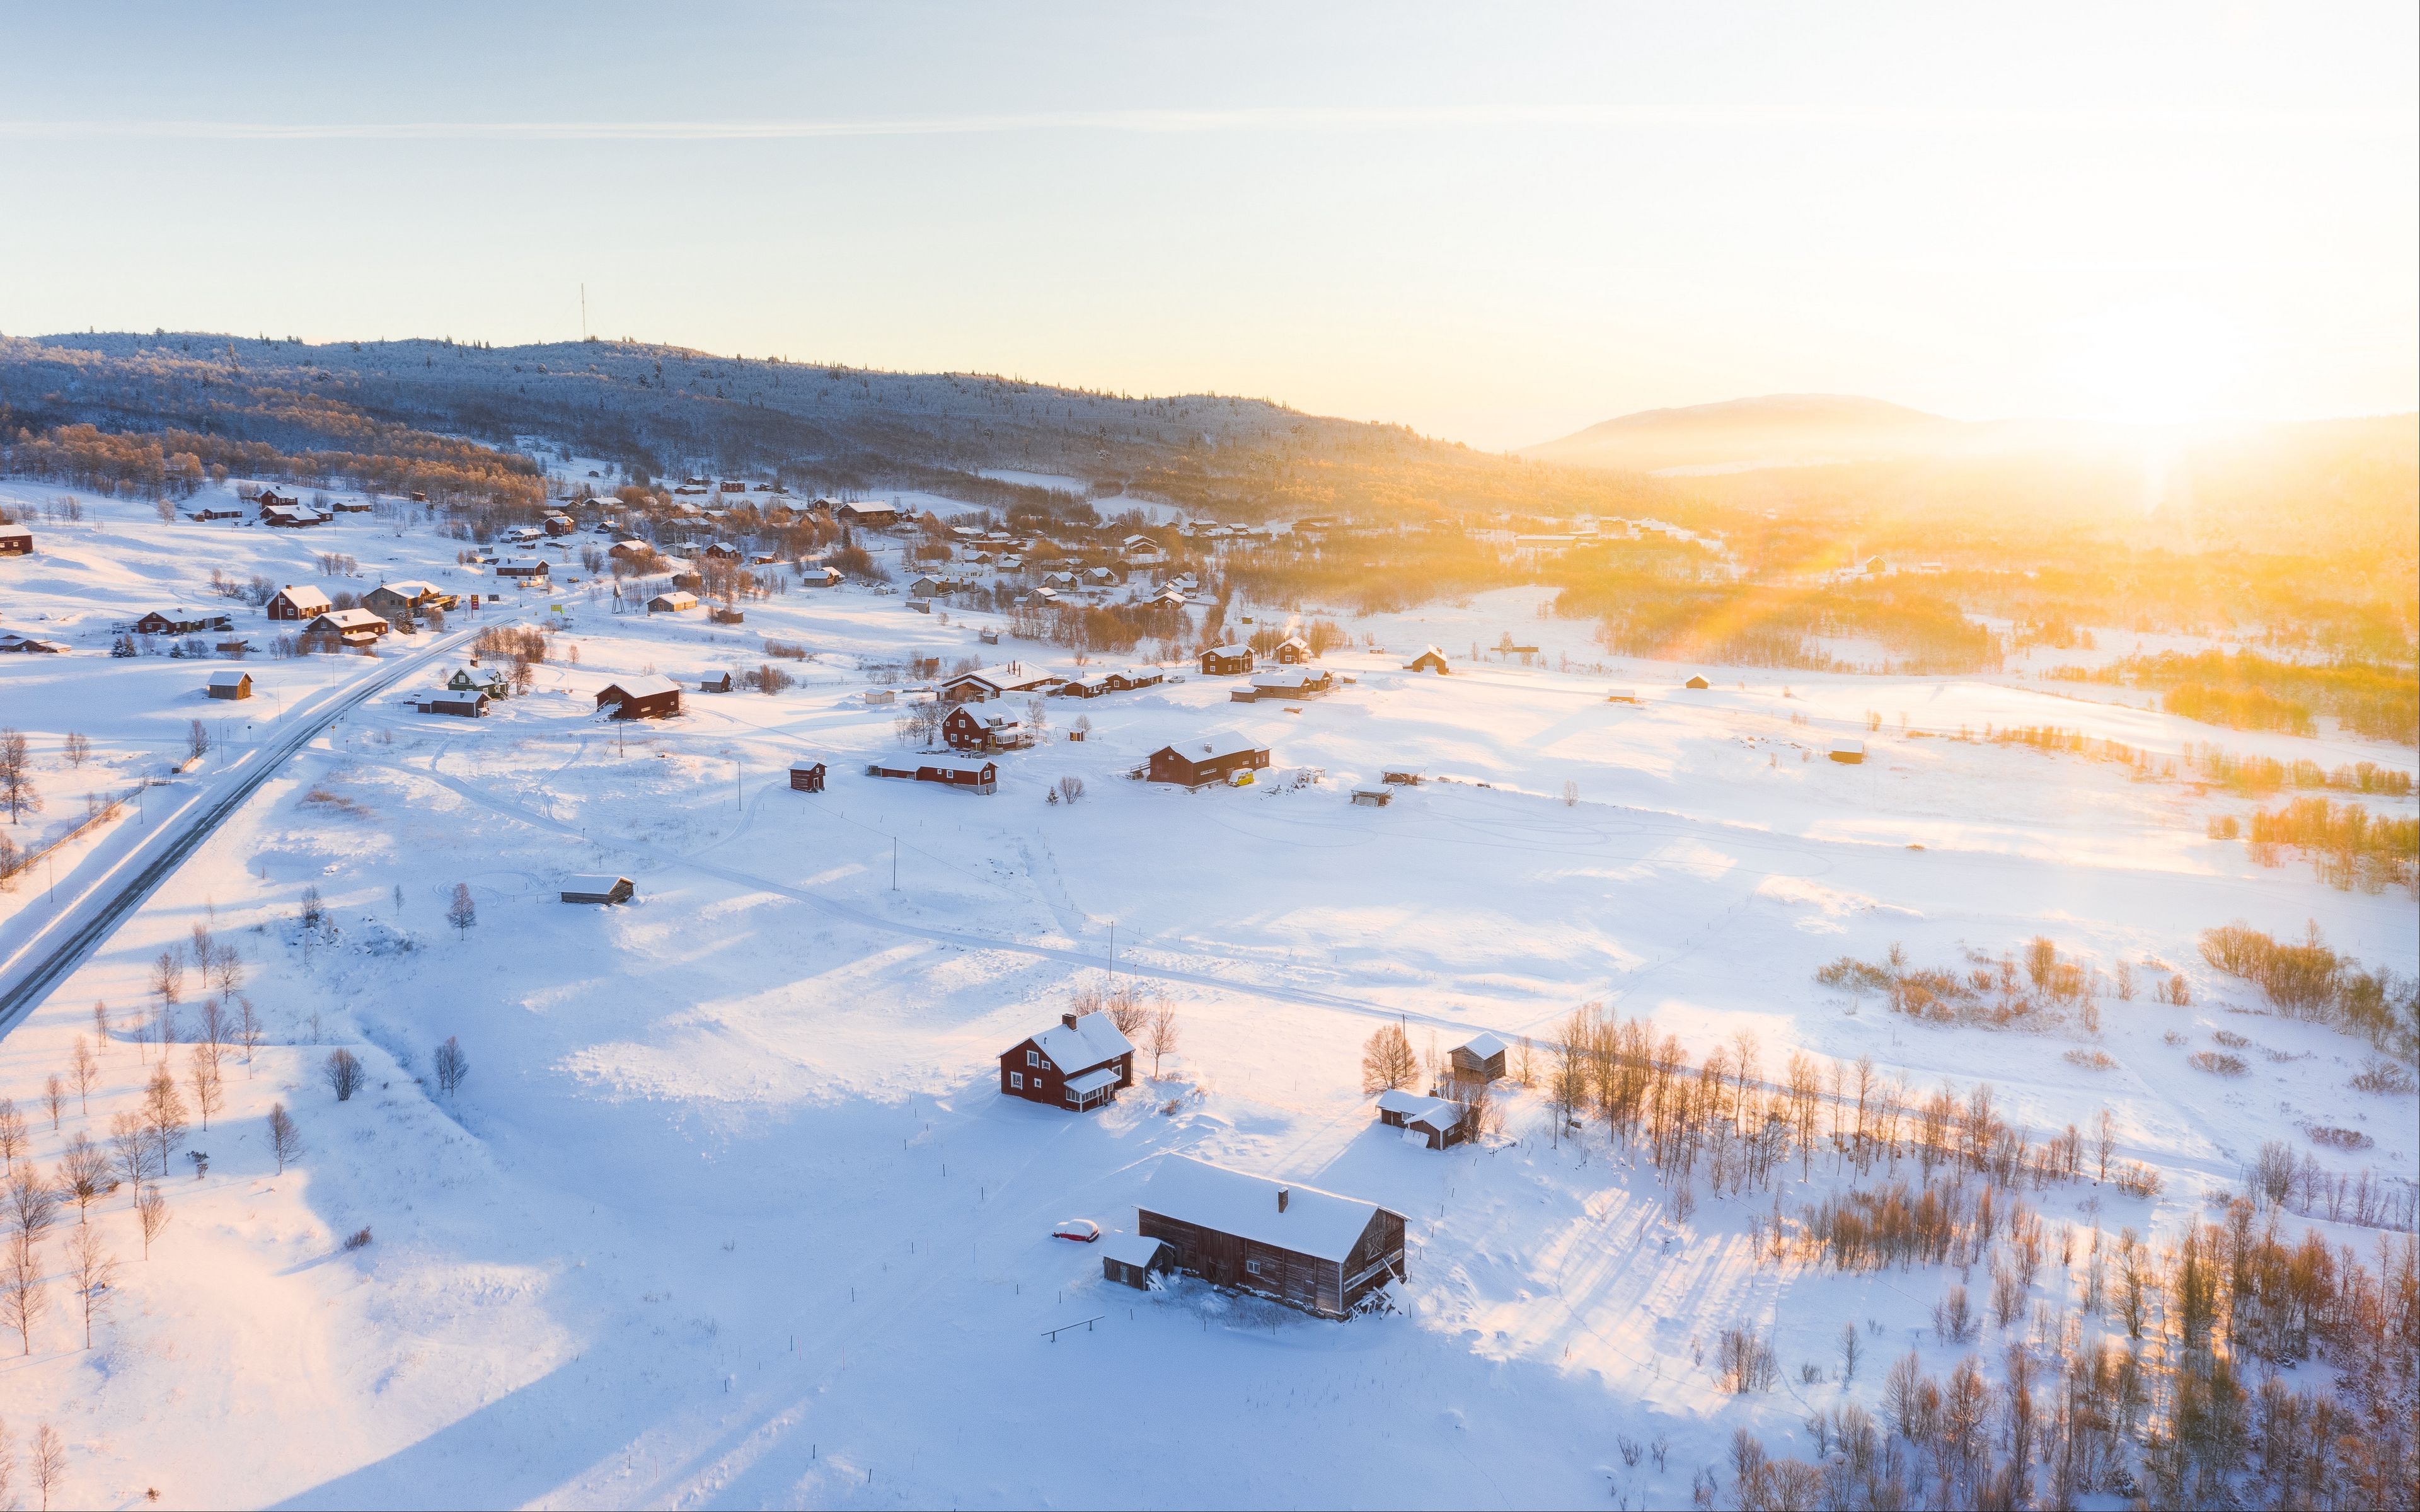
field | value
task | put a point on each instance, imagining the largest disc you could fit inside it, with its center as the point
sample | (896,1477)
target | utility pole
(894,863)
(1113,952)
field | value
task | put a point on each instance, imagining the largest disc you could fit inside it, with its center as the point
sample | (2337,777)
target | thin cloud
(1277,119)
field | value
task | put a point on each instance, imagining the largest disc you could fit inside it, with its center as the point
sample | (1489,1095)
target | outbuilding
(1131,1259)
(1291,1243)
(1698,683)
(1213,758)
(1430,660)
(597,889)
(985,683)
(1439,1122)
(462,704)
(1292,683)
(714,683)
(806,776)
(671,603)
(1479,1058)
(16,540)
(230,682)
(1848,752)
(975,776)
(528,569)
(647,696)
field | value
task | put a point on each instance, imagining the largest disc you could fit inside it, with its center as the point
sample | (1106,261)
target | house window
(1015,1081)
(1251,1267)
(1033,1057)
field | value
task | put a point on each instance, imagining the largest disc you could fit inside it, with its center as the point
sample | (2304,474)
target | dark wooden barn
(1429,660)
(1132,1260)
(965,776)
(649,696)
(806,776)
(1295,1244)
(1479,1058)
(597,889)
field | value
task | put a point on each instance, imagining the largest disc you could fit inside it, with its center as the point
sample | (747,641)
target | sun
(2158,362)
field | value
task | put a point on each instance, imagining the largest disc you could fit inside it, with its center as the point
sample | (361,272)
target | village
(1181,1011)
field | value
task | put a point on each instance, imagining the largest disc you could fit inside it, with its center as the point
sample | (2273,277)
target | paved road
(96,908)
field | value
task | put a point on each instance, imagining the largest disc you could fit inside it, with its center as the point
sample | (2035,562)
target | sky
(1495,224)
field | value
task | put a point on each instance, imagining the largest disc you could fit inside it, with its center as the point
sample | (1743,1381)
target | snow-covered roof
(1229,650)
(1484,1045)
(1289,677)
(1395,1100)
(13,530)
(411,589)
(228,677)
(1096,1039)
(645,684)
(1132,1249)
(1315,1222)
(1093,1081)
(1216,743)
(306,599)
(1436,1112)
(351,619)
(1012,676)
(593,882)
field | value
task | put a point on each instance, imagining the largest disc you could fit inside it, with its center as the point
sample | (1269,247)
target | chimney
(1283,1192)
(1067,1019)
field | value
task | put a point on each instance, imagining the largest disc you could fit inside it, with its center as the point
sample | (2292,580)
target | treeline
(1772,624)
(2244,690)
(2310,980)
(1374,573)
(176,463)
(2346,845)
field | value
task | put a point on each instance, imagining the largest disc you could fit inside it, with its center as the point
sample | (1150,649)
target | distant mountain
(1776,430)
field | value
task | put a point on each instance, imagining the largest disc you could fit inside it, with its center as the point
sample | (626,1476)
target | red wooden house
(1081,1062)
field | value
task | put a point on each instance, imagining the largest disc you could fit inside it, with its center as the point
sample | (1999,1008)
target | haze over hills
(1772,430)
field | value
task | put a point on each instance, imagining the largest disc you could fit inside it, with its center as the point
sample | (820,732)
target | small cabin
(1131,1259)
(1294,683)
(1291,1243)
(1848,752)
(806,776)
(1431,660)
(1226,661)
(1439,1122)
(1698,683)
(671,603)
(1623,695)
(816,575)
(597,889)
(646,697)
(714,683)
(1402,777)
(16,540)
(1479,1058)
(230,683)
(1373,798)
(981,777)
(1079,1063)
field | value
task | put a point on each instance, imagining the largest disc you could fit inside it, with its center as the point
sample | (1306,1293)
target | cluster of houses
(1323,1252)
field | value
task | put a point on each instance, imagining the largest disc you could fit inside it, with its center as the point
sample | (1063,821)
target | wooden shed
(1439,1122)
(597,889)
(714,683)
(1431,660)
(1291,1243)
(1698,683)
(806,776)
(1480,1058)
(649,696)
(463,704)
(1131,1259)
(977,777)
(671,603)
(1848,752)
(229,683)
(16,540)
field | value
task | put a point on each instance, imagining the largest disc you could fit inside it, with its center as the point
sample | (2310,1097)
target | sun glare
(2154,363)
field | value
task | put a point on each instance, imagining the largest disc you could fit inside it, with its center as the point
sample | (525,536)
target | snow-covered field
(729,1210)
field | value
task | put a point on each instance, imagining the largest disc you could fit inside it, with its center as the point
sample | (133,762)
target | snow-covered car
(1083,1230)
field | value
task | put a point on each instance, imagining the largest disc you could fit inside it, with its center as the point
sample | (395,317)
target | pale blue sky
(1495,223)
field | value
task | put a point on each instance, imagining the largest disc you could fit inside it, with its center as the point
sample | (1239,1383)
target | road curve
(53,951)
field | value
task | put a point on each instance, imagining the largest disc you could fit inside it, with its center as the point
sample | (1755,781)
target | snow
(1132,1249)
(1090,1041)
(1093,1081)
(1322,1225)
(730,1210)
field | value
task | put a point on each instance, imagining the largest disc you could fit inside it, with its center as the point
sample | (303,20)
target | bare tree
(1571,795)
(17,787)
(168,975)
(55,1098)
(83,1173)
(204,1075)
(197,740)
(343,1070)
(462,912)
(1071,787)
(129,1150)
(50,1462)
(100,1023)
(163,1115)
(76,747)
(95,1271)
(1388,1060)
(225,966)
(32,1206)
(2104,1142)
(13,1133)
(86,1070)
(248,1031)
(214,1024)
(7,1467)
(285,1136)
(1850,1350)
(452,1066)
(1161,1032)
(310,911)
(151,1208)
(23,1297)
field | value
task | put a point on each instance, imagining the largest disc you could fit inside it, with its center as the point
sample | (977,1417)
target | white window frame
(1016,1081)
(1033,1057)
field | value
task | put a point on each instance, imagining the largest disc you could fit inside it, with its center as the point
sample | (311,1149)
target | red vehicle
(1083,1230)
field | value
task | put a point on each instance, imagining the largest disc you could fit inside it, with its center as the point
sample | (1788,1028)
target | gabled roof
(1218,743)
(410,588)
(1010,676)
(229,677)
(1437,1112)
(1229,650)
(303,597)
(1095,1041)
(1318,1224)
(1483,1045)
(645,684)
(350,619)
